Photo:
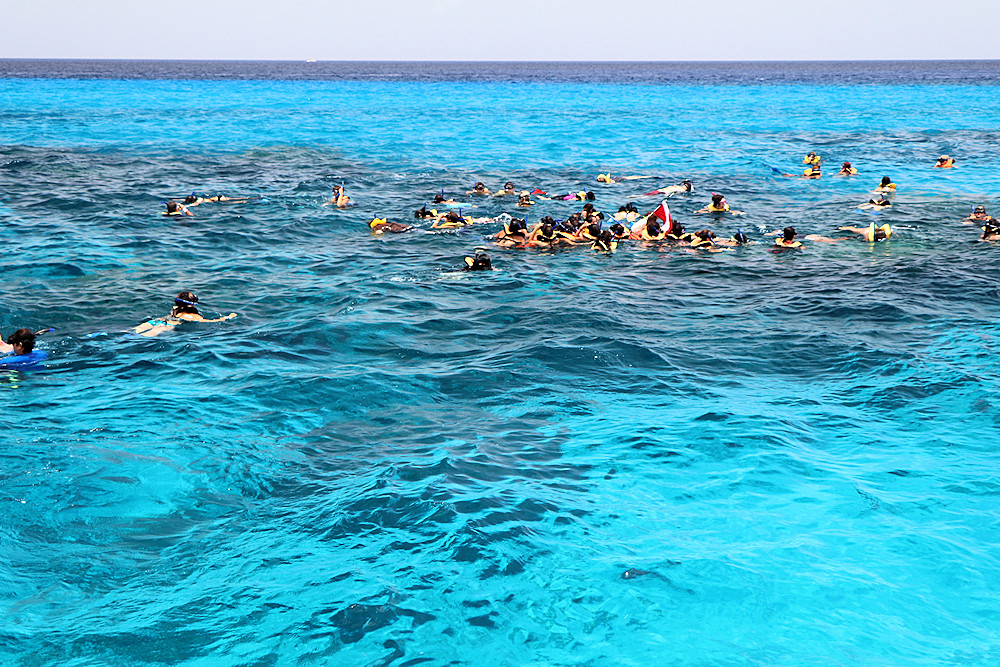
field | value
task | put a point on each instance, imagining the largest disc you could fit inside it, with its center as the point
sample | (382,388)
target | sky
(556,30)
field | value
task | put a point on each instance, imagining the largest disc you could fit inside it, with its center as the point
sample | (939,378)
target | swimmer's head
(980,210)
(479,186)
(618,229)
(547,229)
(788,233)
(846,166)
(480,262)
(589,195)
(422,212)
(653,227)
(173,207)
(508,185)
(880,234)
(515,226)
(688,185)
(524,199)
(943,158)
(185,303)
(588,208)
(739,238)
(24,339)
(453,217)
(718,199)
(191,199)
(438,198)
(594,229)
(886,180)
(705,235)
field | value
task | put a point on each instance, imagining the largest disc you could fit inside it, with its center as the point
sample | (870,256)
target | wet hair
(594,229)
(705,235)
(190,199)
(421,213)
(622,209)
(630,208)
(880,234)
(979,209)
(480,262)
(173,207)
(590,195)
(509,185)
(653,227)
(618,229)
(23,337)
(546,230)
(515,226)
(885,181)
(740,238)
(788,233)
(717,198)
(846,165)
(604,240)
(547,220)
(588,207)
(453,217)
(438,198)
(184,303)
(991,226)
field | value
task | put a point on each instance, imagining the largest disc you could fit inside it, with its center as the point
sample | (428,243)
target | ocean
(649,457)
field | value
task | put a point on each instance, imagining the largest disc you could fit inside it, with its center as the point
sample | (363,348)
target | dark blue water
(650,457)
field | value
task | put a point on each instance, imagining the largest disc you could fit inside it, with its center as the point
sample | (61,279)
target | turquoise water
(650,457)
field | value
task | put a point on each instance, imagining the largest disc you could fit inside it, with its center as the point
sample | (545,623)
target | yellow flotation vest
(715,209)
(814,159)
(780,242)
(871,232)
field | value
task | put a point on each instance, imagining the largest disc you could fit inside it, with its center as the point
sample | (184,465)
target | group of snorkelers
(594,229)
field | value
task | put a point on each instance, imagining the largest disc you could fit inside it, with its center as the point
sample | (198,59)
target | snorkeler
(20,342)
(736,240)
(176,208)
(979,214)
(704,239)
(991,230)
(812,158)
(514,233)
(886,185)
(449,220)
(508,189)
(945,162)
(479,262)
(184,310)
(382,225)
(478,189)
(605,242)
(787,239)
(524,199)
(871,233)
(718,205)
(422,213)
(813,171)
(671,190)
(847,170)
(339,199)
(608,178)
(440,199)
(195,200)
(876,204)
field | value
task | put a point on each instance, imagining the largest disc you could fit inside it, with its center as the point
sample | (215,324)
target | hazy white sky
(502,30)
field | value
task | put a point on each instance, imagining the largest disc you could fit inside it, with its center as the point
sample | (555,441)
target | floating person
(886,185)
(605,242)
(194,199)
(478,189)
(871,233)
(991,230)
(876,204)
(734,241)
(524,199)
(671,190)
(19,352)
(440,199)
(508,189)
(382,225)
(608,178)
(703,239)
(175,208)
(619,231)
(422,213)
(450,220)
(478,262)
(787,239)
(813,171)
(574,196)
(847,170)
(656,226)
(514,233)
(812,158)
(979,214)
(945,162)
(544,234)
(339,199)
(718,205)
(185,310)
